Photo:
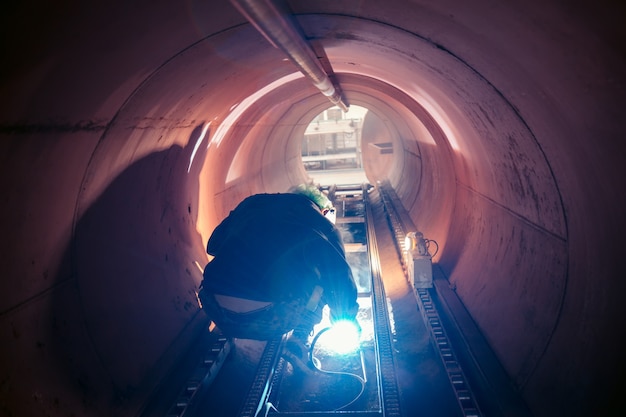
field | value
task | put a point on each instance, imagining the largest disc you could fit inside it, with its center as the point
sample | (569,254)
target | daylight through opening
(331,147)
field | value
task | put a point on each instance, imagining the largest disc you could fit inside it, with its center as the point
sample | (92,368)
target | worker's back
(278,248)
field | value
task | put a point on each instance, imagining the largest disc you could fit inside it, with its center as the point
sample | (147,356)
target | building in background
(332,141)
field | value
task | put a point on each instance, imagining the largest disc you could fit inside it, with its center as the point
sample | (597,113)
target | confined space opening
(331,147)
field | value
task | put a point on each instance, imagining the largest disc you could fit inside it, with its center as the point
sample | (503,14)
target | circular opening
(331,147)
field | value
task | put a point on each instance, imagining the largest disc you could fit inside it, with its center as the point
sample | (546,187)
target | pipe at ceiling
(273,24)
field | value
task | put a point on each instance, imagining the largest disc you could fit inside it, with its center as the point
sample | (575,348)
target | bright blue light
(342,338)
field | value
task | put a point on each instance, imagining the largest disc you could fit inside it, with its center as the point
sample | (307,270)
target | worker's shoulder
(271,197)
(275,200)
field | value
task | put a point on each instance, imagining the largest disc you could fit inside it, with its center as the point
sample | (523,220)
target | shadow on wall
(134,262)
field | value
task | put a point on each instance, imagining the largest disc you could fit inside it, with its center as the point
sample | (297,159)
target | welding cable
(268,407)
(362,380)
(428,242)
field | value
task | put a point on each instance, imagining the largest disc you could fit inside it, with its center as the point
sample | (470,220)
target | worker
(278,259)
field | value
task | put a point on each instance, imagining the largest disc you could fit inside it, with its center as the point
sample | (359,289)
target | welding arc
(315,363)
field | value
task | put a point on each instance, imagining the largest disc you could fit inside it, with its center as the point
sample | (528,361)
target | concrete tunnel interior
(129,130)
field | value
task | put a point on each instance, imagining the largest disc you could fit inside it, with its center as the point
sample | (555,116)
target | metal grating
(400,225)
(260,388)
(389,385)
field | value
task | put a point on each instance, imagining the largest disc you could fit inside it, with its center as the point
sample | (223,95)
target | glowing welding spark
(342,338)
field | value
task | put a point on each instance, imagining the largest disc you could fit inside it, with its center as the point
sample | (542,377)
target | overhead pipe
(282,34)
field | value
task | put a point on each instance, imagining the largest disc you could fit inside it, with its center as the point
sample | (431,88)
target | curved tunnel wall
(119,138)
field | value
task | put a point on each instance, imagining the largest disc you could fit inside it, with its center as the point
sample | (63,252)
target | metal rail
(389,384)
(401,224)
(262,384)
(200,378)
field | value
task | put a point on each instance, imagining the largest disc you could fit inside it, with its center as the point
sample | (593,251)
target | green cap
(314,194)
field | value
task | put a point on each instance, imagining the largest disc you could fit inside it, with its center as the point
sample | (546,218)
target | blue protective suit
(279,251)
